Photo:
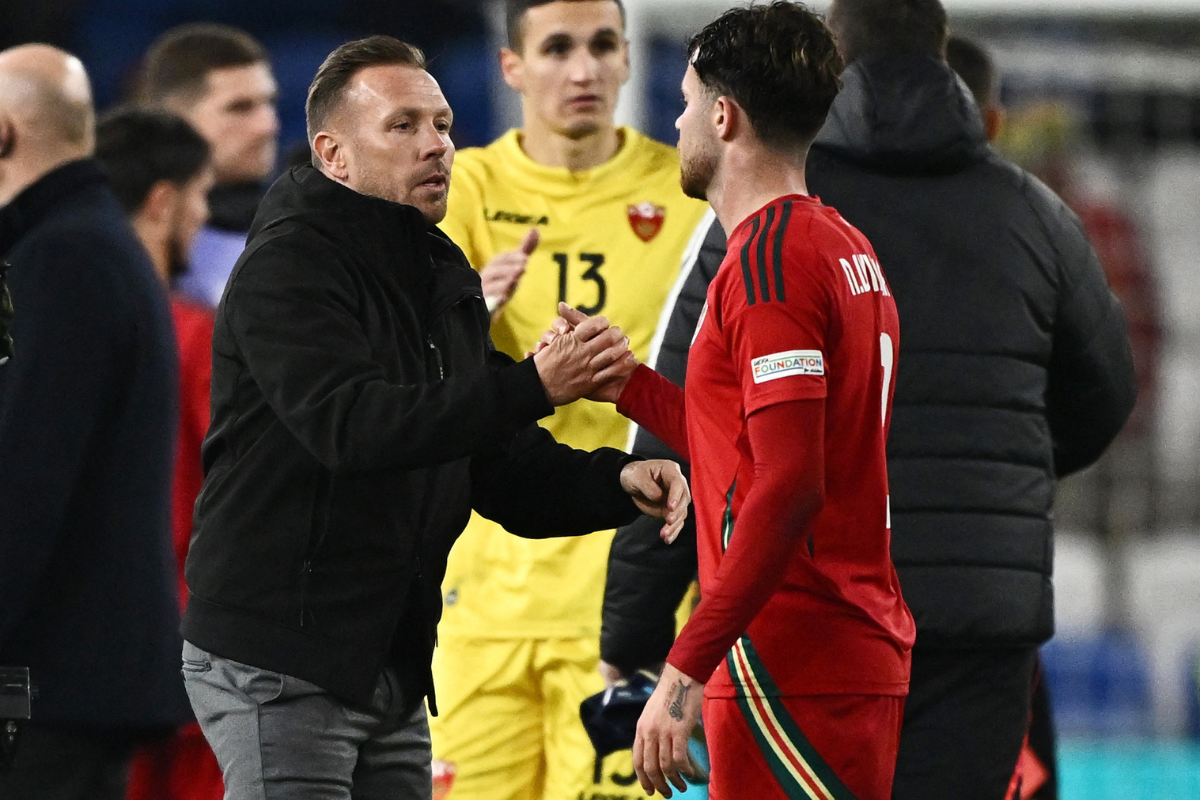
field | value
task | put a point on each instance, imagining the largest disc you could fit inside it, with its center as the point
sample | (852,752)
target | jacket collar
(904,113)
(387,235)
(37,200)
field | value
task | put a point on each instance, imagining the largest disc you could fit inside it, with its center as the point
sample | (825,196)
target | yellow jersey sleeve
(612,241)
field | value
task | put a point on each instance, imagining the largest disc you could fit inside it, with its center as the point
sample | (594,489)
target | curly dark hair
(778,62)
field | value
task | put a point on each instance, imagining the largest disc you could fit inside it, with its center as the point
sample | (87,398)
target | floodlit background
(1103,101)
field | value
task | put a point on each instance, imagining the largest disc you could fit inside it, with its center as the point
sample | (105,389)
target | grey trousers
(276,736)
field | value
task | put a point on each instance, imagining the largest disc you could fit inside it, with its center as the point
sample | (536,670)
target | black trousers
(964,722)
(53,764)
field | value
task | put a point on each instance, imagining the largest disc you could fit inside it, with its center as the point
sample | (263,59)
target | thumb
(530,242)
(571,314)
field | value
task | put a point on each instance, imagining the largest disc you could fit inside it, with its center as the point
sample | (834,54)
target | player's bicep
(779,351)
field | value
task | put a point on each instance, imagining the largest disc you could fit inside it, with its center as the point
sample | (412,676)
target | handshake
(582,356)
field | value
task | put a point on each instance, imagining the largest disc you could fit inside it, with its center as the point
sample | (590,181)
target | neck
(747,181)
(23,173)
(155,242)
(552,149)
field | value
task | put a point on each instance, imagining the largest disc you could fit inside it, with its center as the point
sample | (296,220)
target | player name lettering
(790,362)
(864,275)
(515,218)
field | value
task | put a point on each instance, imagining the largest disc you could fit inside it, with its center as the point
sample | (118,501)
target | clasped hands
(582,356)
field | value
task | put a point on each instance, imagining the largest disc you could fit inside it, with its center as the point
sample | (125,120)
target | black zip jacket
(359,414)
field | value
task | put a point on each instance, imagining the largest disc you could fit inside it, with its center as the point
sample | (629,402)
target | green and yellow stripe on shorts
(795,763)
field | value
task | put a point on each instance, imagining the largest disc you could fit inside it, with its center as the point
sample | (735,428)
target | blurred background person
(87,426)
(971,62)
(1014,370)
(161,172)
(570,207)
(219,79)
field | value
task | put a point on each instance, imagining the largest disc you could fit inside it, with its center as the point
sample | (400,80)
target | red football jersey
(800,310)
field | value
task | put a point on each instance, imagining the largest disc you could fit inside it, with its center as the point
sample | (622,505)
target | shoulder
(649,157)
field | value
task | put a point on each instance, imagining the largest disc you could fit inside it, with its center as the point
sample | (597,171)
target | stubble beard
(696,174)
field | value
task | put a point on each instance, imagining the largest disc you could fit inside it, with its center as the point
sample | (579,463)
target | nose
(435,143)
(679,122)
(267,119)
(584,66)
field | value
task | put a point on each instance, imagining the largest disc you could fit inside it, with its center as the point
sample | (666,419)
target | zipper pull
(438,355)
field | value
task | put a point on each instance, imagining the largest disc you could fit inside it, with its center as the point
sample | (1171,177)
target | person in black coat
(1014,370)
(87,426)
(360,412)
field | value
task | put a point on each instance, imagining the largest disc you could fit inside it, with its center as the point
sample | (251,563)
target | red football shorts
(826,747)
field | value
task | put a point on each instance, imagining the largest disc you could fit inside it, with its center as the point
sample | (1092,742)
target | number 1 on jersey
(888,358)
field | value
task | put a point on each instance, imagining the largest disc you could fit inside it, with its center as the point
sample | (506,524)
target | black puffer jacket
(1014,361)
(359,414)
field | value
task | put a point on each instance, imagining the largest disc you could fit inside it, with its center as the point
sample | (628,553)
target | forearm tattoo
(679,698)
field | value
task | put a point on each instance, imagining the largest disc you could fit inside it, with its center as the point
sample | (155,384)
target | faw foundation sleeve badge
(646,219)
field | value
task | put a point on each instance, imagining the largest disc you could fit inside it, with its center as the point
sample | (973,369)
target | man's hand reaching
(659,489)
(581,361)
(568,321)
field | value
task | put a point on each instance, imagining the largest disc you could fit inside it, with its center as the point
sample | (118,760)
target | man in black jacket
(359,414)
(1014,370)
(87,426)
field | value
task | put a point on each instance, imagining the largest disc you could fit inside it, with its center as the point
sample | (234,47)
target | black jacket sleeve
(1091,386)
(646,577)
(537,488)
(293,318)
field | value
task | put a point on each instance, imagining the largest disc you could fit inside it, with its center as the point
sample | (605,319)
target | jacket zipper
(437,354)
(324,517)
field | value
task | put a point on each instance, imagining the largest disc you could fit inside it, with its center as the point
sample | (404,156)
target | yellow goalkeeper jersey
(612,242)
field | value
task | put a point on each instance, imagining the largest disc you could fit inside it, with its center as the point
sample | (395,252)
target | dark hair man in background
(1015,370)
(87,425)
(974,65)
(161,172)
(359,414)
(570,206)
(219,79)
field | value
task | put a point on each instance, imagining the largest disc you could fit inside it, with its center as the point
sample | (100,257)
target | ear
(725,117)
(8,136)
(332,155)
(161,203)
(512,68)
(626,62)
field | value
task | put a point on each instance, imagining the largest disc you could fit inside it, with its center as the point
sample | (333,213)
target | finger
(572,315)
(665,768)
(670,531)
(619,368)
(591,327)
(530,242)
(677,494)
(560,326)
(681,765)
(639,763)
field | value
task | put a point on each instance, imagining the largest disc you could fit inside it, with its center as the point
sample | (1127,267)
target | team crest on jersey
(443,778)
(789,362)
(646,219)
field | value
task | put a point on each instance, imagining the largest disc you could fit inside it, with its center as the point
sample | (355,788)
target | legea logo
(791,362)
